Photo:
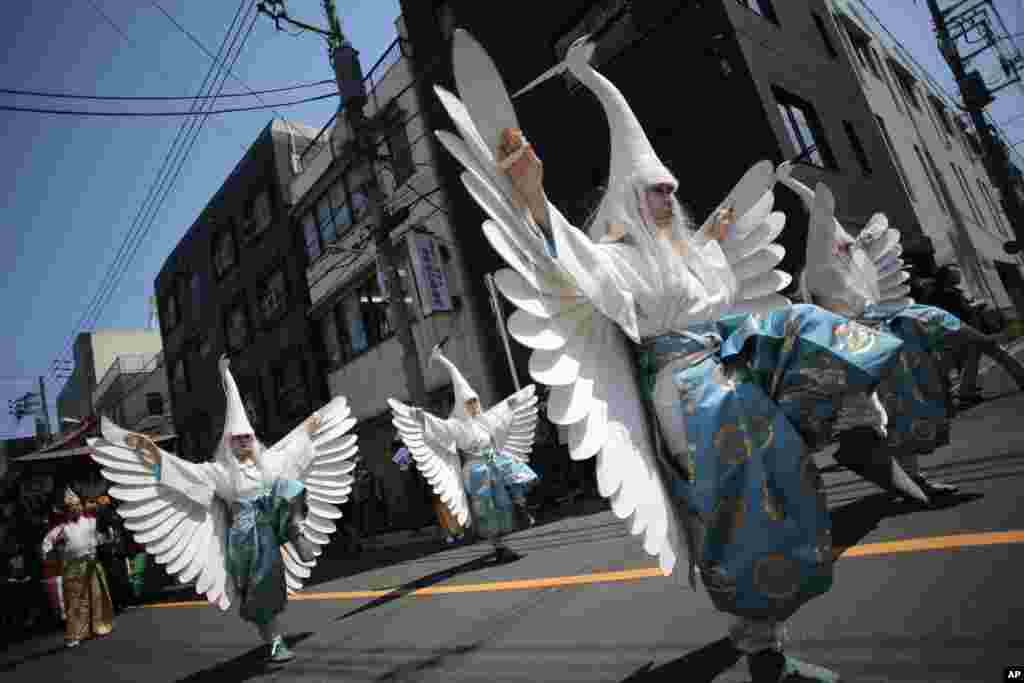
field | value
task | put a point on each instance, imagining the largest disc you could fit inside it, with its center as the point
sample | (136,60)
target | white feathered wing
(440,463)
(579,352)
(190,539)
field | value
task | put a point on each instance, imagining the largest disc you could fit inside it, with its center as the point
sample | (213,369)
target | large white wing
(882,245)
(187,538)
(581,354)
(439,463)
(750,247)
(517,438)
(328,481)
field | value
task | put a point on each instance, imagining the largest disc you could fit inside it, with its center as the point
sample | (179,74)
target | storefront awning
(46,454)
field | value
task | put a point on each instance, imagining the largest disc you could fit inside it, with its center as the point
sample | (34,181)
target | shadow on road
(429,580)
(853,521)
(244,667)
(337,563)
(700,666)
(33,657)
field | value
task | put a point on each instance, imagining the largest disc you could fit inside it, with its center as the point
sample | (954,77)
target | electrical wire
(198,43)
(143,114)
(158,194)
(132,231)
(154,98)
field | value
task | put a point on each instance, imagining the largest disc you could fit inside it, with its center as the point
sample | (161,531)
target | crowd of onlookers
(30,582)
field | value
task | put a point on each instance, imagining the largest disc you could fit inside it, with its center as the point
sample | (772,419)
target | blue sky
(72,186)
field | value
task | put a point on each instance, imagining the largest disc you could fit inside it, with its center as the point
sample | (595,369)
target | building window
(252,399)
(820,23)
(861,42)
(940,114)
(197,295)
(328,220)
(933,169)
(804,129)
(170,317)
(363,314)
(273,297)
(931,181)
(858,148)
(446,20)
(225,254)
(291,388)
(337,337)
(906,83)
(993,206)
(402,164)
(761,7)
(896,158)
(236,325)
(966,188)
(340,207)
(155,403)
(180,379)
(257,217)
(311,236)
(357,181)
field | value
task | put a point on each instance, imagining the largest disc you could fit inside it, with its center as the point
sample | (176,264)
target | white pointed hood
(633,163)
(463,391)
(236,421)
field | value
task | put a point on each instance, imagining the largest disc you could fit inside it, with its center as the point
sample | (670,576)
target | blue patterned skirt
(916,394)
(753,409)
(495,483)
(259,527)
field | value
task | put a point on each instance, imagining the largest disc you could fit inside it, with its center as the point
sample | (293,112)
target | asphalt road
(587,606)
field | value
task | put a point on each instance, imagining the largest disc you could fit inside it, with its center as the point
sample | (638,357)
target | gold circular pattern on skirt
(777,576)
(854,337)
(730,516)
(733,444)
(772,505)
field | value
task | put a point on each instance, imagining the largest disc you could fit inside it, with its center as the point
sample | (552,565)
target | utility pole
(976,96)
(44,409)
(349,75)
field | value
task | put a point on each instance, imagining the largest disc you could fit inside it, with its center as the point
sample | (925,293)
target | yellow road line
(909,545)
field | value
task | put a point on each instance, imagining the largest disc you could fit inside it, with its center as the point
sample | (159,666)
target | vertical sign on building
(431,280)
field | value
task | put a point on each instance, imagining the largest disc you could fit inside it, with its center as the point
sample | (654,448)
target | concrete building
(94,354)
(941,169)
(719,85)
(235,284)
(445,297)
(134,394)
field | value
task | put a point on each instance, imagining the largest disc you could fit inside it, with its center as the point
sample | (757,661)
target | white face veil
(236,422)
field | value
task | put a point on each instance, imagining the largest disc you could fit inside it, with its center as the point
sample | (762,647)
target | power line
(136,232)
(198,43)
(130,235)
(154,98)
(137,114)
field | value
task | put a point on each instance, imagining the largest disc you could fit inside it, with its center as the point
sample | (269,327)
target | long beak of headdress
(580,52)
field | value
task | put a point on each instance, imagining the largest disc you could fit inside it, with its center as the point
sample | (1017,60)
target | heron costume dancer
(864,279)
(743,385)
(87,604)
(475,459)
(247,526)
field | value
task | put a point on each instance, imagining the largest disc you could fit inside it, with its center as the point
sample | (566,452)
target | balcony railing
(129,363)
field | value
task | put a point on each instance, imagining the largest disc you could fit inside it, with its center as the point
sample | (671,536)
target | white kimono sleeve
(196,481)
